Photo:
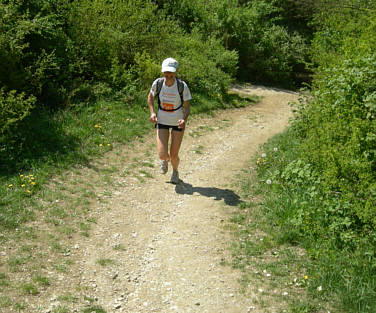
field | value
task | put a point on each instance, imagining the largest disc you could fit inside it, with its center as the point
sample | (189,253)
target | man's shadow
(230,197)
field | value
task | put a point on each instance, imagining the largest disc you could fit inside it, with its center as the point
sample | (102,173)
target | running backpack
(180,86)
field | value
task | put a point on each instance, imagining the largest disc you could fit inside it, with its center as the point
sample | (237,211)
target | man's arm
(153,116)
(186,112)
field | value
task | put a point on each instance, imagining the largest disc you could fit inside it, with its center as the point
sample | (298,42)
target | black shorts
(163,126)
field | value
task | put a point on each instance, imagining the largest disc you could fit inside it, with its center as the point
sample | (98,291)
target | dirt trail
(165,243)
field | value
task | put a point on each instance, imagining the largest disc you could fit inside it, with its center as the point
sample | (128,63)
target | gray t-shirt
(170,99)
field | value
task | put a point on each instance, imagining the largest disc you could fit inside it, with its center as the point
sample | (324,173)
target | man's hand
(153,118)
(181,124)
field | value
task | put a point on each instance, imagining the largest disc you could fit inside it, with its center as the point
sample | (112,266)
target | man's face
(169,75)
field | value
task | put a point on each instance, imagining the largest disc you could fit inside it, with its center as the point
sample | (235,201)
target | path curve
(165,243)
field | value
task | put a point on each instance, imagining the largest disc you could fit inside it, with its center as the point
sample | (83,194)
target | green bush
(338,123)
(107,31)
(276,54)
(33,50)
(340,134)
(13,108)
(147,69)
(299,210)
(321,182)
(206,66)
(268,51)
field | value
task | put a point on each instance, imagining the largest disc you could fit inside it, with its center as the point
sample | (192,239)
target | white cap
(169,65)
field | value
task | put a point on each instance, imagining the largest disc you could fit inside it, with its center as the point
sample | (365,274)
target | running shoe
(164,167)
(175,177)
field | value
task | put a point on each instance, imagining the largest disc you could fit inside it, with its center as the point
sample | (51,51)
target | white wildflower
(275,149)
(268,181)
(319,288)
(263,155)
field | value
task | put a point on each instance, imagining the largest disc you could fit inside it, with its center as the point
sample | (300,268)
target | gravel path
(164,244)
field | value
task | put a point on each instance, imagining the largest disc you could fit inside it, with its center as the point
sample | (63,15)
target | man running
(173,98)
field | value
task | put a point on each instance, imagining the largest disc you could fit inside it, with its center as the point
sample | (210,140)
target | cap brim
(168,69)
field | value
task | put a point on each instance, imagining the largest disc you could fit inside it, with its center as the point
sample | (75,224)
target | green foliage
(147,69)
(339,137)
(340,31)
(112,30)
(33,48)
(13,108)
(269,52)
(62,52)
(95,309)
(338,124)
(304,212)
(206,66)
(274,56)
(29,288)
(320,189)
(297,15)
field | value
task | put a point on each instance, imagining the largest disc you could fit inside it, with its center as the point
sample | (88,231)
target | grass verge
(283,239)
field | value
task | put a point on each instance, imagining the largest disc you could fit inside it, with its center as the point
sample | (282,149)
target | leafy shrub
(323,190)
(33,48)
(302,211)
(340,134)
(338,122)
(147,69)
(206,66)
(276,56)
(268,51)
(109,32)
(13,108)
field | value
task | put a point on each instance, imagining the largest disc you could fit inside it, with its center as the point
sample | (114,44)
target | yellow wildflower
(100,145)
(23,185)
(10,185)
(33,183)
(305,277)
(28,191)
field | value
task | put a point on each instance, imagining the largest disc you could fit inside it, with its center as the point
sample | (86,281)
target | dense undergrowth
(297,210)
(317,180)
